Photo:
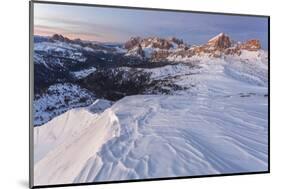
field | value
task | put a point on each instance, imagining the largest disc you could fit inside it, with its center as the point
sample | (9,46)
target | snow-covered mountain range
(121,111)
(58,60)
(173,49)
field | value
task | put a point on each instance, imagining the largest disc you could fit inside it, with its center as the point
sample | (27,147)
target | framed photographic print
(125,94)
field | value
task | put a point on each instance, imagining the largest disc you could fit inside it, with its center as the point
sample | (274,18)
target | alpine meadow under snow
(150,108)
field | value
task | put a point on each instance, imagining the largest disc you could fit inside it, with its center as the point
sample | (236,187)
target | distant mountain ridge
(63,66)
(159,49)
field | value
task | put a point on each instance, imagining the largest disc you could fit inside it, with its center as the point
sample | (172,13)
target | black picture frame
(31,87)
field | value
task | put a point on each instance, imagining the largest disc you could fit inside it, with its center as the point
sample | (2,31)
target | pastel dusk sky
(105,24)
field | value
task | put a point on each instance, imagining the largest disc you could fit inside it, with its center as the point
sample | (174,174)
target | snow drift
(154,136)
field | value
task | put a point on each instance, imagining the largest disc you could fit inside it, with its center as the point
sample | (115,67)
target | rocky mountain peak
(177,41)
(154,42)
(133,41)
(58,37)
(159,43)
(220,41)
(251,45)
(139,51)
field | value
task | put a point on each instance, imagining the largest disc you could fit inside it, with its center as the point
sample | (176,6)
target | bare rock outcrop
(251,45)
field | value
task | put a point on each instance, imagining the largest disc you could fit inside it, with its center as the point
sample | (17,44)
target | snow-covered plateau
(214,120)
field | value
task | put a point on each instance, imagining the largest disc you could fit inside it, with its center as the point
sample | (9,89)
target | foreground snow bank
(63,145)
(154,136)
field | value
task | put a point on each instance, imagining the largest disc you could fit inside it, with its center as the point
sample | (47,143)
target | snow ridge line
(111,156)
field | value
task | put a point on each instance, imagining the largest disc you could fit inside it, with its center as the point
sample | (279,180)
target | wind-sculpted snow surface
(223,130)
(157,136)
(62,146)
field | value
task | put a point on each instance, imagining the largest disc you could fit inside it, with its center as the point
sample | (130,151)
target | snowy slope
(139,134)
(57,99)
(61,49)
(84,73)
(68,141)
(218,127)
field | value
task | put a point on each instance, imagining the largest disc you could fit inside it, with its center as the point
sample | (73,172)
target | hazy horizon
(103,24)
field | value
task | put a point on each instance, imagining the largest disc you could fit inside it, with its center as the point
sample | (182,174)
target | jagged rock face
(132,43)
(161,44)
(140,51)
(251,45)
(160,49)
(136,51)
(154,42)
(61,38)
(183,46)
(233,51)
(154,48)
(184,53)
(177,41)
(160,55)
(220,41)
(216,47)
